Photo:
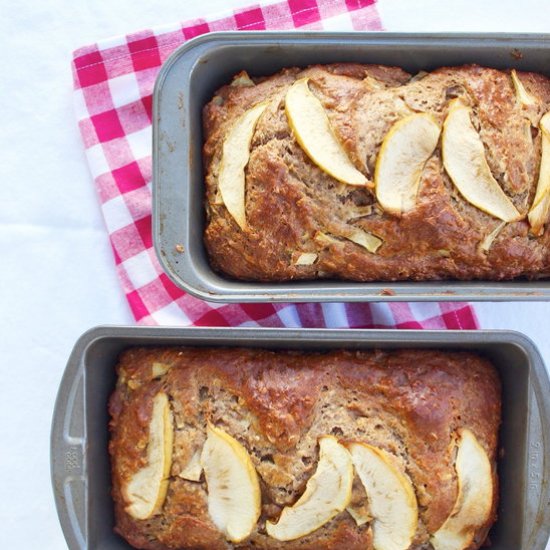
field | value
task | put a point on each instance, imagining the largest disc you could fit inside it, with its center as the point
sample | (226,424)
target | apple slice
(306,258)
(465,162)
(235,156)
(392,502)
(524,97)
(488,240)
(193,469)
(538,214)
(234,501)
(146,490)
(374,83)
(474,502)
(328,492)
(358,508)
(359,514)
(405,150)
(367,240)
(312,130)
(159,369)
(242,80)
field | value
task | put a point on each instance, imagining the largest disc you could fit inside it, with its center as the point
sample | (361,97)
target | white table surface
(57,274)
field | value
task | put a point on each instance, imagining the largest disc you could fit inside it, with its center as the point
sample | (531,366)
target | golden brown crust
(289,199)
(277,404)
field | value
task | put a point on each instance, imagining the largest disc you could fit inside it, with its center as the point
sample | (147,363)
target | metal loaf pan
(187,82)
(79,439)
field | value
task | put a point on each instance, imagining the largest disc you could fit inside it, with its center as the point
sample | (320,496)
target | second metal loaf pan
(79,452)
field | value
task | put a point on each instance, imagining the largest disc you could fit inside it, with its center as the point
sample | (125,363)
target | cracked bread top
(290,200)
(277,405)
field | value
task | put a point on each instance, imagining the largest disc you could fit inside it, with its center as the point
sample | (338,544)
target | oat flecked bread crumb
(294,208)
(409,405)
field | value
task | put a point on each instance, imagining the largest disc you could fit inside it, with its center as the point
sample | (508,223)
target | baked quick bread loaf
(241,448)
(362,172)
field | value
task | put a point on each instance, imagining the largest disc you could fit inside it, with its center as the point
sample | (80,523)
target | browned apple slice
(328,492)
(392,502)
(465,162)
(146,490)
(312,130)
(538,214)
(234,500)
(235,156)
(475,496)
(405,150)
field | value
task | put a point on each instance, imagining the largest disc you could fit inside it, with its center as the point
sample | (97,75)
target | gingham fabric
(113,83)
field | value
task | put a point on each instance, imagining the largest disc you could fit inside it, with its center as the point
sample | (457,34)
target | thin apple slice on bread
(234,500)
(538,214)
(524,97)
(391,497)
(146,490)
(235,156)
(474,502)
(465,162)
(328,492)
(193,469)
(405,150)
(306,258)
(365,239)
(312,130)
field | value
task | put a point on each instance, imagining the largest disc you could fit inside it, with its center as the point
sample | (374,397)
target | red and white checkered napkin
(113,91)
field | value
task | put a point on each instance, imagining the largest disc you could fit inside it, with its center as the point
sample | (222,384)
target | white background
(57,274)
